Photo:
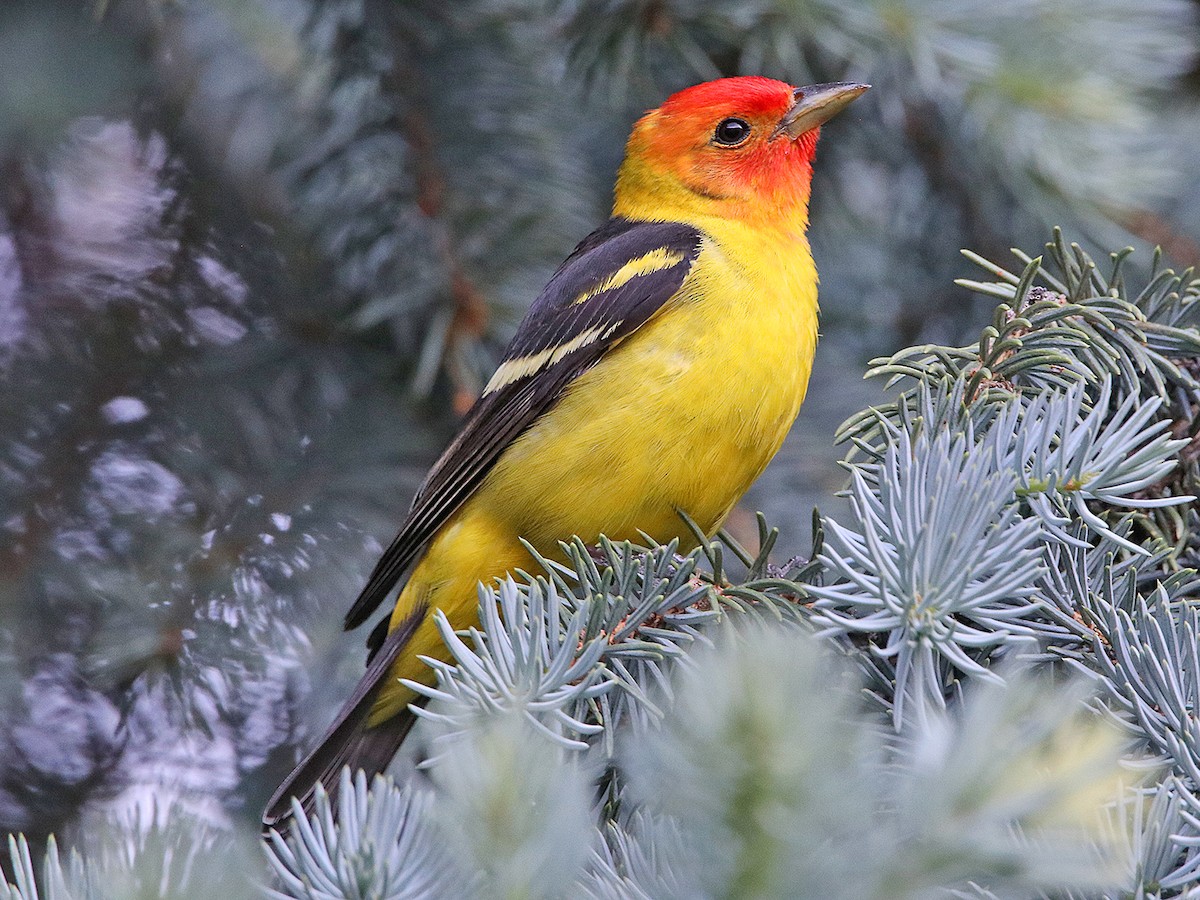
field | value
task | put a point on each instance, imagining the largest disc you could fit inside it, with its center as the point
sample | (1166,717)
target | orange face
(720,138)
(736,139)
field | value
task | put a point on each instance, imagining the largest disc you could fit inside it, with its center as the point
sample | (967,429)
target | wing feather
(613,282)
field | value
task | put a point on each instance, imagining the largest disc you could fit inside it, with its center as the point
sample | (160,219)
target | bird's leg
(781,571)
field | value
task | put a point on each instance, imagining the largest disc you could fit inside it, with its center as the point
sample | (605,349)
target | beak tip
(817,103)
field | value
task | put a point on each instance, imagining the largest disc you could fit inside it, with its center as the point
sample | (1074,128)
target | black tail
(349,742)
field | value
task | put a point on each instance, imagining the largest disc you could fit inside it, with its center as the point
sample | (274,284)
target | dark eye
(731,132)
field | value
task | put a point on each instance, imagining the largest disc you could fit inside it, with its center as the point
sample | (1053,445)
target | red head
(734,148)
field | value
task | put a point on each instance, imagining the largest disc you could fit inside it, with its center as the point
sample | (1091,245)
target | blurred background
(257,256)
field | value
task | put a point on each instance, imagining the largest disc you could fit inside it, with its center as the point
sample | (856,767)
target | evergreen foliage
(254,254)
(999,526)
(981,682)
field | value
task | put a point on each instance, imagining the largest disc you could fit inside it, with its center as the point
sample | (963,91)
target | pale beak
(816,104)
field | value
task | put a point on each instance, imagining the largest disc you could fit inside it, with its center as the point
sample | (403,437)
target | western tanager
(658,371)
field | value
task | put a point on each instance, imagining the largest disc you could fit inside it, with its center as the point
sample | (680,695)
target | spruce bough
(980,680)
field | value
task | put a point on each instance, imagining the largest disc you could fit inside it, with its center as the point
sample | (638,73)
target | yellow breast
(683,414)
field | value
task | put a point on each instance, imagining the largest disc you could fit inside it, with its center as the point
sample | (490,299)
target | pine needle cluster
(980,681)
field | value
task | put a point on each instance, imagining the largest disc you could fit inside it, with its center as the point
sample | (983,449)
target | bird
(657,373)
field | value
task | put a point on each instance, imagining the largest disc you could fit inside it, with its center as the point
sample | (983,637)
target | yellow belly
(683,415)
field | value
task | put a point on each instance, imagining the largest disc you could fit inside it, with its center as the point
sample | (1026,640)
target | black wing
(607,288)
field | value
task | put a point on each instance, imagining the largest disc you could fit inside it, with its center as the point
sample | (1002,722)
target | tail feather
(349,741)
